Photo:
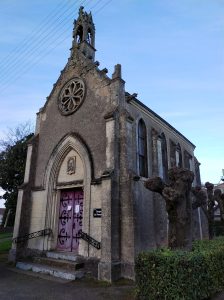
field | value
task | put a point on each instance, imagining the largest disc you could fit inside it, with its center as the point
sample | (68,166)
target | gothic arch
(162,156)
(178,156)
(68,143)
(175,154)
(142,149)
(79,34)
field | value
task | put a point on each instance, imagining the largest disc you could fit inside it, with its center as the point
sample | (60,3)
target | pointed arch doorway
(69,169)
(70,220)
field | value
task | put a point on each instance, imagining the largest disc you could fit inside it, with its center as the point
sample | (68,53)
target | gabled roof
(158,117)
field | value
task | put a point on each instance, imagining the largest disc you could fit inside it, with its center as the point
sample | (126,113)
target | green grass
(5,235)
(5,246)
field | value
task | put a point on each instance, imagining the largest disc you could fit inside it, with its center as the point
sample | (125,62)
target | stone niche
(71,170)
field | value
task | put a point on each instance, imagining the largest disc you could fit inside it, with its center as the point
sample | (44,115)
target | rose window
(71,96)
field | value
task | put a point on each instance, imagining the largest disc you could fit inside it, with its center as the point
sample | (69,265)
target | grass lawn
(5,235)
(5,246)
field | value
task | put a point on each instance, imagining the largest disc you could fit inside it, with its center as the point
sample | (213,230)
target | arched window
(142,149)
(172,154)
(197,172)
(79,35)
(178,156)
(89,36)
(188,160)
(162,157)
(175,155)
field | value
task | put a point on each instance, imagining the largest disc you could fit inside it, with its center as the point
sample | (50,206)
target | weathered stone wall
(150,217)
(133,219)
(37,218)
(144,207)
(78,175)
(88,121)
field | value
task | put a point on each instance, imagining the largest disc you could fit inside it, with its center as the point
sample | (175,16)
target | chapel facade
(94,146)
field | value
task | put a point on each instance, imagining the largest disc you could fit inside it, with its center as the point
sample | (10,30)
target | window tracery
(71,96)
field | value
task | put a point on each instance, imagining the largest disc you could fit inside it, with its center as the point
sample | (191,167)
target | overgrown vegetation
(12,166)
(197,274)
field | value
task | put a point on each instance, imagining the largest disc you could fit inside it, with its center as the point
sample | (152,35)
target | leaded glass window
(142,149)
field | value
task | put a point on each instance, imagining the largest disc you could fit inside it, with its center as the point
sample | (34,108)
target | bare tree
(16,134)
(177,195)
(12,166)
(209,200)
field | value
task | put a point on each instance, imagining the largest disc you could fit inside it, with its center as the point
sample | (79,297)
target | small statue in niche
(71,165)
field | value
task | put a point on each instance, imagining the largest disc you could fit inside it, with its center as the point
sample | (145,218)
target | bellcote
(84,34)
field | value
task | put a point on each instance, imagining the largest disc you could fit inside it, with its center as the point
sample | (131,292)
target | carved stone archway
(69,143)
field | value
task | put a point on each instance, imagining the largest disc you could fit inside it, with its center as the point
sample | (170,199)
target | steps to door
(61,265)
(63,256)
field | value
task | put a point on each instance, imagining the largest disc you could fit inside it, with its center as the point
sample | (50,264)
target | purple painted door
(70,220)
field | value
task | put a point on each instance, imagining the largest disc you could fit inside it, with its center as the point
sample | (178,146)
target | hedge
(165,274)
(218,228)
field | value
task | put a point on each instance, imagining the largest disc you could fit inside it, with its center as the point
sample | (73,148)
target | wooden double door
(70,220)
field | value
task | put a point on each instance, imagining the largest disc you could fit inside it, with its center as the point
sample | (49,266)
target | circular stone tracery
(71,96)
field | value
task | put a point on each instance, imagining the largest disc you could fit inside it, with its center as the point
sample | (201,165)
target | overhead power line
(34,33)
(35,53)
(95,5)
(33,50)
(102,7)
(22,52)
(36,61)
(18,61)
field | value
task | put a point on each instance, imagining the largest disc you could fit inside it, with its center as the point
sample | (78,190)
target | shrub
(218,228)
(165,274)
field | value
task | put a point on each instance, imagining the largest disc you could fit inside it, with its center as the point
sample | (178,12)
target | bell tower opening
(84,35)
(89,36)
(79,35)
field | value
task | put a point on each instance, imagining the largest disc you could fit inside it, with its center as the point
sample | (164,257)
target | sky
(171,52)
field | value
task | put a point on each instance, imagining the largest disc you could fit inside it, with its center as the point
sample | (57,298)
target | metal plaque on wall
(97,212)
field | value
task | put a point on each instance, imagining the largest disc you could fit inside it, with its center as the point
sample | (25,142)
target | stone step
(60,263)
(63,256)
(49,270)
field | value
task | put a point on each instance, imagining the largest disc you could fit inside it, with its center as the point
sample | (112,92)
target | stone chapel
(94,146)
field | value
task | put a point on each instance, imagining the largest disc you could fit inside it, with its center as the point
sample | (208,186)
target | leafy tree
(12,166)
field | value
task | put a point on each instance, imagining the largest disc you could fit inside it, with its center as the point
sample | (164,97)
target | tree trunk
(178,205)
